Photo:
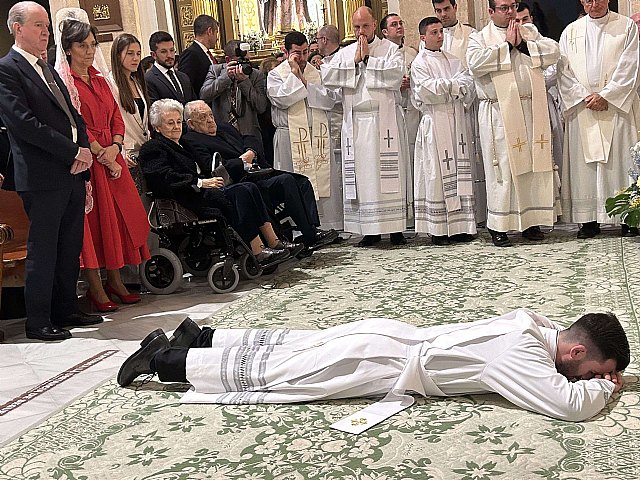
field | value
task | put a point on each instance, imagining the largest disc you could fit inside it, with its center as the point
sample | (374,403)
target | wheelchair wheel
(196,261)
(220,283)
(162,273)
(250,269)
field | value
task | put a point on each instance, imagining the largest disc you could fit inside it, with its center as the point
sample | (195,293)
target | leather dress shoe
(462,237)
(533,233)
(589,230)
(397,238)
(140,362)
(185,334)
(627,231)
(48,334)
(269,256)
(79,319)
(323,237)
(500,239)
(440,240)
(293,248)
(369,240)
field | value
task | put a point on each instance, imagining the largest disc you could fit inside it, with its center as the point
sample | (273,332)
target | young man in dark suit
(196,60)
(163,80)
(51,160)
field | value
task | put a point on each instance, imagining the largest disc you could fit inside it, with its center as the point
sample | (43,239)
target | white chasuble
(512,355)
(306,126)
(456,41)
(374,141)
(598,56)
(443,182)
(515,131)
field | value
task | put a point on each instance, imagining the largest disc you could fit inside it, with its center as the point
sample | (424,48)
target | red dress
(116,230)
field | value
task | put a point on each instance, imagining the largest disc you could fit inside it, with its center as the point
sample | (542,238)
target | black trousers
(296,192)
(171,364)
(248,212)
(53,252)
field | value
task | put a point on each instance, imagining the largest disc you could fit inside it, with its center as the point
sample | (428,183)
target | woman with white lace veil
(116,229)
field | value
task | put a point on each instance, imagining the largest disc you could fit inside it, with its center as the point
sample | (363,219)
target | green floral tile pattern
(144,433)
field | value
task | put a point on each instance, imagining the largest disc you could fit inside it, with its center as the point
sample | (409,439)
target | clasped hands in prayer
(363,49)
(514,37)
(596,103)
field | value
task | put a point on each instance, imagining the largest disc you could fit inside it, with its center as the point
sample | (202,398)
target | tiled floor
(25,364)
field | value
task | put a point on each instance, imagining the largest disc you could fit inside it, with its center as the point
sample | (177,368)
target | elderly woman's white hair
(160,107)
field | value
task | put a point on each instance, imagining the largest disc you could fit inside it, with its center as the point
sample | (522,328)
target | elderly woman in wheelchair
(171,172)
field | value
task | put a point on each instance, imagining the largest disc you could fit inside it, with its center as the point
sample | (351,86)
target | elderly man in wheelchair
(171,172)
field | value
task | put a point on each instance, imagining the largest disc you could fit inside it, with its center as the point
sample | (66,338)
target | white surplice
(283,93)
(441,87)
(514,202)
(374,200)
(586,185)
(512,355)
(411,122)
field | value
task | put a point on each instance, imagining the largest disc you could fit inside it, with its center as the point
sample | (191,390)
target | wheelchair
(201,248)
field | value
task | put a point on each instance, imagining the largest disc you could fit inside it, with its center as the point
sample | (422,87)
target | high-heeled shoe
(101,307)
(125,299)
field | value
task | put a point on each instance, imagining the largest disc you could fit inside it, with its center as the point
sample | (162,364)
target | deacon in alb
(374,148)
(507,61)
(443,184)
(529,360)
(598,83)
(299,105)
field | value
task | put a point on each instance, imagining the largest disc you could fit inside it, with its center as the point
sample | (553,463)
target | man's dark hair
(383,22)
(433,2)
(604,332)
(294,38)
(492,4)
(425,22)
(522,6)
(202,23)
(158,37)
(75,31)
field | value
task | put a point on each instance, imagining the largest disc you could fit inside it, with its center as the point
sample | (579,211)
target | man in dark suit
(163,80)
(197,58)
(239,153)
(51,161)
(6,165)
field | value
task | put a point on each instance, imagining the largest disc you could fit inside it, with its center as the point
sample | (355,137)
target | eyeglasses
(590,2)
(506,8)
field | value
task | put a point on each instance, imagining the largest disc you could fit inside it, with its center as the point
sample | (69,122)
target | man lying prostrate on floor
(239,152)
(529,360)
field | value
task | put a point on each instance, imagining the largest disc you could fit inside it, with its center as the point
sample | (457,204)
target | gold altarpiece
(241,19)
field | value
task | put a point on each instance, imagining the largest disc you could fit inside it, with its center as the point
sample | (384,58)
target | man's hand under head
(215,182)
(615,377)
(596,103)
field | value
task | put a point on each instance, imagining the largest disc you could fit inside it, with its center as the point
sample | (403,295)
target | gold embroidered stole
(596,127)
(310,150)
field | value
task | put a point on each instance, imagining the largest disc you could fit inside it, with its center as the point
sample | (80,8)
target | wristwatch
(365,59)
(119,146)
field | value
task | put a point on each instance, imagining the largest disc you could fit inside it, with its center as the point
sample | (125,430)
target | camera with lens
(241,53)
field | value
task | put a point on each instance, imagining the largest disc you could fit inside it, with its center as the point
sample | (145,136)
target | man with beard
(163,79)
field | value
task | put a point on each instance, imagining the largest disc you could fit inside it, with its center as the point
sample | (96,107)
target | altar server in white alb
(598,83)
(456,33)
(507,61)
(299,105)
(524,357)
(374,148)
(443,184)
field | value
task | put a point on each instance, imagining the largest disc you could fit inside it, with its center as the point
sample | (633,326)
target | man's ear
(578,352)
(154,56)
(384,32)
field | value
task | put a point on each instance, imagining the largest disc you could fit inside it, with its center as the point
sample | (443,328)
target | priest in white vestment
(441,87)
(302,143)
(392,28)
(456,41)
(524,357)
(507,61)
(598,82)
(375,153)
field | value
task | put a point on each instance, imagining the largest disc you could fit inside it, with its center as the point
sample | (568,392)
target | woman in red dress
(116,228)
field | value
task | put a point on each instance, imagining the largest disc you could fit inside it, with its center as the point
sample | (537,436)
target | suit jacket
(195,63)
(159,86)
(252,98)
(6,164)
(171,172)
(229,144)
(39,130)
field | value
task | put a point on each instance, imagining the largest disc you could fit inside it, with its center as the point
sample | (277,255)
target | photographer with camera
(236,91)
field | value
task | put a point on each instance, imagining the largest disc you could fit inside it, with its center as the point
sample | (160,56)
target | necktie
(176,84)
(55,89)
(211,57)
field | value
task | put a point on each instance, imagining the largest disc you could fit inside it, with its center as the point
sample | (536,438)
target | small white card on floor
(366,418)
